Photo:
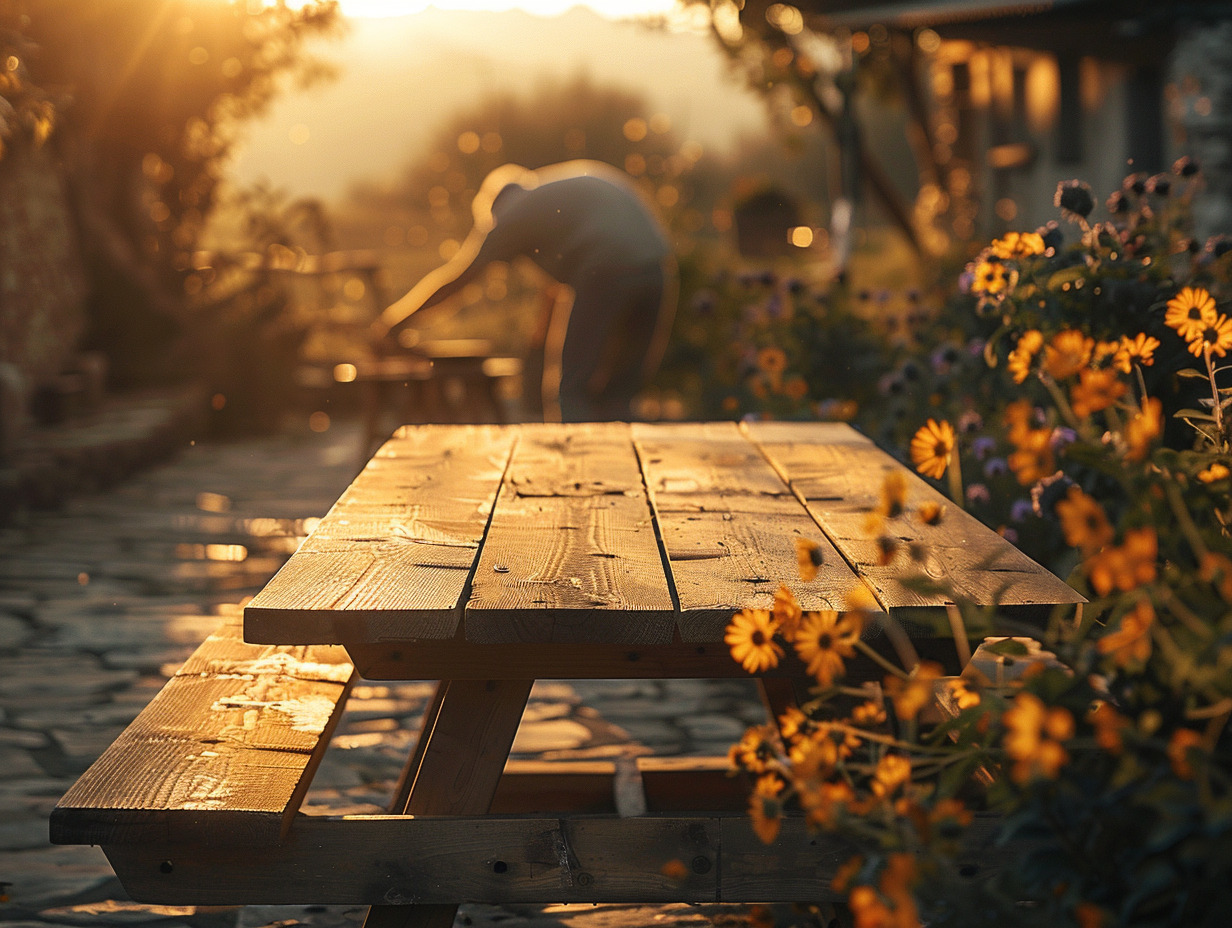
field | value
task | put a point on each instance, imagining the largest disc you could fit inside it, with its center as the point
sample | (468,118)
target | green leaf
(1191,373)
(1007,648)
(1193,414)
(1067,276)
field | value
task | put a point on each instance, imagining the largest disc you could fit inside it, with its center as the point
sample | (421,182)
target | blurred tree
(154,91)
(815,76)
(431,201)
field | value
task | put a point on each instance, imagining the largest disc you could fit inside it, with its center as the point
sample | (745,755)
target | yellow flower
(750,635)
(964,697)
(1067,353)
(787,611)
(808,558)
(794,724)
(1214,337)
(893,494)
(824,639)
(796,388)
(991,278)
(1033,737)
(756,750)
(1214,473)
(868,714)
(930,512)
(1130,645)
(1083,521)
(893,770)
(1190,312)
(931,448)
(1137,350)
(1096,390)
(823,801)
(1109,726)
(1017,245)
(1019,361)
(765,807)
(1142,430)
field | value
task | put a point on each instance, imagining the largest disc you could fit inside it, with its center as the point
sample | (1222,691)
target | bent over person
(586,226)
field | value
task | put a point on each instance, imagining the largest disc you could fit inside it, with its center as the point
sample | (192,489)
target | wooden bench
(487,557)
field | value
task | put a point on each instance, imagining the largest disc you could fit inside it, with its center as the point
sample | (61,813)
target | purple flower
(970,422)
(983,447)
(978,493)
(1009,535)
(1021,510)
(1062,437)
(996,467)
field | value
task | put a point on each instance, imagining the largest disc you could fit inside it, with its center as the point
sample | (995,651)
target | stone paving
(101,600)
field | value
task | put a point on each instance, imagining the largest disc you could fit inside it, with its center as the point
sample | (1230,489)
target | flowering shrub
(1105,764)
(770,345)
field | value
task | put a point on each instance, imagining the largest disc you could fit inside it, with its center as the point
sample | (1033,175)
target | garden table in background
(487,557)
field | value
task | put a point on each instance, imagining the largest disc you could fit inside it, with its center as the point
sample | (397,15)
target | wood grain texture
(224,752)
(392,559)
(841,483)
(571,553)
(729,525)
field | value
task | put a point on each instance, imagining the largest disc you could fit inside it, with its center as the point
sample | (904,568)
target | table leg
(457,770)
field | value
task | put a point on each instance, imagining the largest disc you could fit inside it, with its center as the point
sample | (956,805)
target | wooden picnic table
(487,557)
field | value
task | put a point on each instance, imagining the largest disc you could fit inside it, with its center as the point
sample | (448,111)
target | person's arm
(433,289)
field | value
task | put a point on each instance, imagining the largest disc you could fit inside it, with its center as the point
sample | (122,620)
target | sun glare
(610,9)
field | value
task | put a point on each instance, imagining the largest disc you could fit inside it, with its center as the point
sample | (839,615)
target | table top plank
(841,482)
(729,525)
(393,557)
(571,553)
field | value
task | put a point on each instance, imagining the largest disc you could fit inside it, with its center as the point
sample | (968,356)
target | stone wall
(42,280)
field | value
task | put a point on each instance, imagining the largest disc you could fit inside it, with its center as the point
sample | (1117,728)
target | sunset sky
(400,76)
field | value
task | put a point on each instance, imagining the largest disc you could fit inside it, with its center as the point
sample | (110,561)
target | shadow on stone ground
(102,599)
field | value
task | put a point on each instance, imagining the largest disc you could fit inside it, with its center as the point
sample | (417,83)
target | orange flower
(823,801)
(1019,361)
(1033,737)
(808,558)
(1067,353)
(823,640)
(772,360)
(751,639)
(893,770)
(1215,337)
(1127,566)
(795,388)
(1183,741)
(765,807)
(1216,569)
(930,512)
(1137,350)
(1109,725)
(1190,312)
(1130,645)
(1142,430)
(912,695)
(868,714)
(931,448)
(1214,473)
(787,611)
(1083,521)
(1096,390)
(964,697)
